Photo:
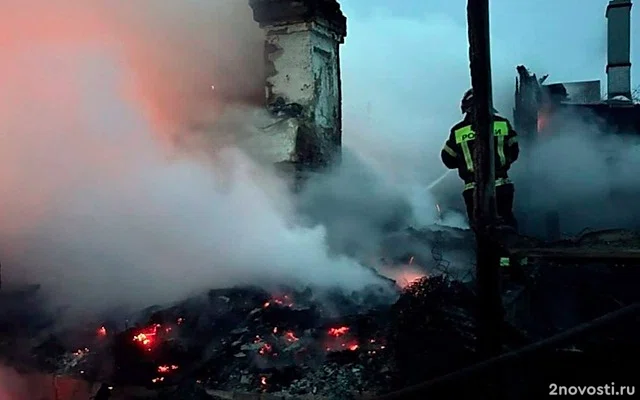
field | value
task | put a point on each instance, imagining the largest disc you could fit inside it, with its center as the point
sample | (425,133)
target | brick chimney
(619,50)
(302,84)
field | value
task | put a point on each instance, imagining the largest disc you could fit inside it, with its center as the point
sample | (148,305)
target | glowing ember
(265,349)
(263,380)
(142,338)
(81,352)
(283,301)
(163,369)
(404,275)
(408,276)
(351,346)
(337,332)
(102,331)
(180,321)
(290,336)
(157,380)
(147,336)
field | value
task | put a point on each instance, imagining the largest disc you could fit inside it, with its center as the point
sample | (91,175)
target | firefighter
(458,154)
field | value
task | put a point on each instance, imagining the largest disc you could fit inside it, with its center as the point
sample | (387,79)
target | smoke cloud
(404,79)
(583,170)
(398,113)
(98,205)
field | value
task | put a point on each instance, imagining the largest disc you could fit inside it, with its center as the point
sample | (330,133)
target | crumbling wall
(302,82)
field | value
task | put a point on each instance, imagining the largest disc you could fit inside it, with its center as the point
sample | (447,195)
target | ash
(292,343)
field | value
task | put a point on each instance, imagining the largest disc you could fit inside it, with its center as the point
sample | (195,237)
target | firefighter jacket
(458,150)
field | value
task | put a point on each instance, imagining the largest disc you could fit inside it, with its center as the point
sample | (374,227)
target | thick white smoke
(583,170)
(97,205)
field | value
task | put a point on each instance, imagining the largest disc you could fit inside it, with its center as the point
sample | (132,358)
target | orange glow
(146,337)
(67,64)
(102,331)
(405,277)
(283,301)
(265,349)
(545,115)
(543,120)
(163,369)
(337,332)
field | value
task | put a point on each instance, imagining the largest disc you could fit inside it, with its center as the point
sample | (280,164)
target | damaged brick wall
(302,83)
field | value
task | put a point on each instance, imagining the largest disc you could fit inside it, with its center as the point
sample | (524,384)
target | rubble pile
(248,340)
(432,329)
(292,343)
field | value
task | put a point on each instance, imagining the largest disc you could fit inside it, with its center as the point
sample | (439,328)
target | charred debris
(247,340)
(570,307)
(297,344)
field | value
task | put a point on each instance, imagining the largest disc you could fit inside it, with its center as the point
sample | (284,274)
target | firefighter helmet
(467,101)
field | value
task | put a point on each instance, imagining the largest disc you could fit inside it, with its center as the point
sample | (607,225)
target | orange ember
(337,332)
(406,277)
(163,369)
(263,380)
(284,301)
(290,336)
(102,331)
(81,352)
(265,349)
(147,336)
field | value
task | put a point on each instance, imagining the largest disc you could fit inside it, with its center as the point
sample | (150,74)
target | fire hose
(441,264)
(440,179)
(420,390)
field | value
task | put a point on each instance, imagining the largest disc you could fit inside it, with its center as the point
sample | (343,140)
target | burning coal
(250,340)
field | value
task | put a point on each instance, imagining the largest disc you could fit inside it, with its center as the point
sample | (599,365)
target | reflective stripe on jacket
(457,152)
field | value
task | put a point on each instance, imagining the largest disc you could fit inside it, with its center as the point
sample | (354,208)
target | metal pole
(490,311)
